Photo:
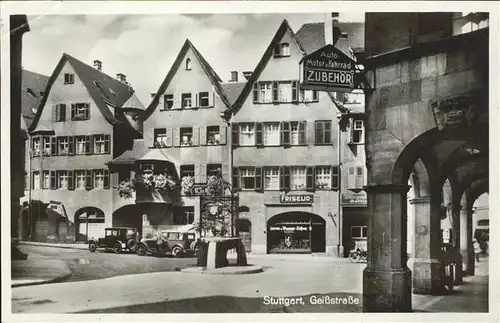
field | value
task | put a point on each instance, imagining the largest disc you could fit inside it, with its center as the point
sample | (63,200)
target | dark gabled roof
(233,90)
(103,89)
(33,87)
(283,28)
(312,36)
(138,150)
(209,71)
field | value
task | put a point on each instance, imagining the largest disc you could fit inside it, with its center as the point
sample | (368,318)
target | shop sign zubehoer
(328,69)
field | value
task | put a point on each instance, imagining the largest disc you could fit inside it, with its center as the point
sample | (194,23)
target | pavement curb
(57,279)
(63,246)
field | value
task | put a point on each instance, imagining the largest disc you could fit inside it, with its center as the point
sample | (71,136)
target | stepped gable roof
(33,87)
(105,90)
(209,71)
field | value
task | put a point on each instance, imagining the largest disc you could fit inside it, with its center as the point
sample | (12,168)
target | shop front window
(290,237)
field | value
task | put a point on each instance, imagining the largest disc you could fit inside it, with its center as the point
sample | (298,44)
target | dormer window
(69,78)
(282,50)
(188,64)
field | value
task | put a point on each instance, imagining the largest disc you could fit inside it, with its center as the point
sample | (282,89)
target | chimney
(98,65)
(247,74)
(121,77)
(234,76)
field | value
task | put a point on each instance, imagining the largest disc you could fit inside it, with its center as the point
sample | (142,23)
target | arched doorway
(296,232)
(90,223)
(244,227)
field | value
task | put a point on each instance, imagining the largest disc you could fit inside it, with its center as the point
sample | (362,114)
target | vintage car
(173,243)
(116,239)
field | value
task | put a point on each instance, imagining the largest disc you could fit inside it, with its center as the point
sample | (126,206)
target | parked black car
(173,243)
(116,239)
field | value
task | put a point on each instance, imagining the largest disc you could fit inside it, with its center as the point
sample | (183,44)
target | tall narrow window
(168,102)
(323,178)
(46,180)
(46,146)
(213,135)
(357,132)
(271,134)
(247,134)
(265,92)
(186,101)
(285,92)
(160,138)
(99,144)
(247,178)
(36,180)
(69,78)
(36,146)
(271,178)
(188,64)
(294,133)
(80,111)
(323,132)
(186,136)
(62,179)
(62,145)
(80,179)
(60,112)
(298,178)
(204,101)
(98,178)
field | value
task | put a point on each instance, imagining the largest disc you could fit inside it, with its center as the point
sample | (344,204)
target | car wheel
(117,248)
(92,247)
(176,251)
(141,250)
(131,244)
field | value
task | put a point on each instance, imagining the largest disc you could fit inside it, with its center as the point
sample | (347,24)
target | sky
(144,47)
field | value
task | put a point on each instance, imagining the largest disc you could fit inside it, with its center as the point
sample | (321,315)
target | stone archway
(90,223)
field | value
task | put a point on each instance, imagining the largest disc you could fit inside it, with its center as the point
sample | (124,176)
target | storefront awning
(132,155)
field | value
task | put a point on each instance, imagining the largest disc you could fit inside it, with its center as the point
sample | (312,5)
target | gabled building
(285,150)
(184,136)
(84,120)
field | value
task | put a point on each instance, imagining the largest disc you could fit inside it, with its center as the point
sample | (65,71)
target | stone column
(456,243)
(427,265)
(464,241)
(470,249)
(387,279)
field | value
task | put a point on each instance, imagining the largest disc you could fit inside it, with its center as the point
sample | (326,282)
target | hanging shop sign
(296,199)
(328,69)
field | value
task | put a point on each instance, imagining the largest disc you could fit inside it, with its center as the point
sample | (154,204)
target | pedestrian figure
(477,249)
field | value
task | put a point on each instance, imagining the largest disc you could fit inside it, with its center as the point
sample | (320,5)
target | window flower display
(161,183)
(187,185)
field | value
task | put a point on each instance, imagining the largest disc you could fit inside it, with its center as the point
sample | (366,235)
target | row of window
(359,231)
(176,101)
(289,178)
(79,112)
(188,136)
(70,145)
(70,179)
(282,92)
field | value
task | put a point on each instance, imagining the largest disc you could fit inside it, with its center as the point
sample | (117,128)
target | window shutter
(236,138)
(295,91)
(211,99)
(203,135)
(236,178)
(63,111)
(151,138)
(315,95)
(53,180)
(194,100)
(285,178)
(203,173)
(169,137)
(256,92)
(359,177)
(196,136)
(71,145)
(275,88)
(71,175)
(53,146)
(276,50)
(335,178)
(32,148)
(177,101)
(302,132)
(107,143)
(88,179)
(258,179)
(87,111)
(259,140)
(223,134)
(55,112)
(285,133)
(91,144)
(106,178)
(351,131)
(87,144)
(197,171)
(310,180)
(73,111)
(177,137)
(350,178)
(225,171)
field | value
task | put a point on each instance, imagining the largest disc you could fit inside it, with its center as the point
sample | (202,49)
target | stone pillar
(456,244)
(470,249)
(427,265)
(387,279)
